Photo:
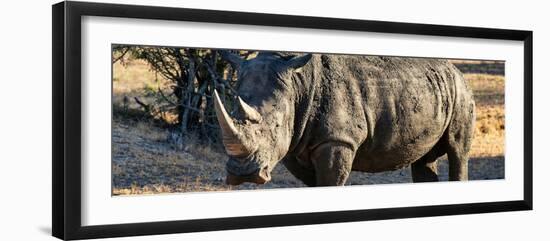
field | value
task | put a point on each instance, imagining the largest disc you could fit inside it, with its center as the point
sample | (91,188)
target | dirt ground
(147,158)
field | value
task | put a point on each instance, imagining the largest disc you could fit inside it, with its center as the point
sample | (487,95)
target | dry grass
(490,127)
(133,76)
(144,161)
(135,79)
(488,89)
(148,160)
(193,186)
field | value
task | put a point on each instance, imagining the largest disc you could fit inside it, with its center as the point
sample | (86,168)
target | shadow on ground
(481,168)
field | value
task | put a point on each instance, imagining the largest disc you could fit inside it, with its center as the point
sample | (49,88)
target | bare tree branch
(124,52)
(145,106)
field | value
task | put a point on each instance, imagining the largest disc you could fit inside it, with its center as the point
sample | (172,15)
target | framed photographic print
(170,120)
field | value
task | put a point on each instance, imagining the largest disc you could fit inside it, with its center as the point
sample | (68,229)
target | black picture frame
(66,59)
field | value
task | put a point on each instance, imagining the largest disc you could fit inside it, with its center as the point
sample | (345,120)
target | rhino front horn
(233,141)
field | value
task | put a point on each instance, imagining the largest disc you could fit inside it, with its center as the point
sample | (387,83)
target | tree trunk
(187,96)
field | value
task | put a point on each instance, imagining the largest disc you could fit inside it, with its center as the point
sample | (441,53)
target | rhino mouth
(258,176)
(241,166)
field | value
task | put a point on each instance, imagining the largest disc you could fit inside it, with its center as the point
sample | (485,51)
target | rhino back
(390,110)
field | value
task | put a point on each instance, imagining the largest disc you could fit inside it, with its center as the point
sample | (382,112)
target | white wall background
(25,122)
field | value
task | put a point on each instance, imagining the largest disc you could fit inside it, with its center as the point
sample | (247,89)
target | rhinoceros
(325,115)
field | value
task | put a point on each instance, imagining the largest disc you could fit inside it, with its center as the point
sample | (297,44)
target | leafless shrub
(194,74)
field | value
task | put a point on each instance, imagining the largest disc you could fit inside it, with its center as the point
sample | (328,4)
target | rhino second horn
(249,112)
(232,139)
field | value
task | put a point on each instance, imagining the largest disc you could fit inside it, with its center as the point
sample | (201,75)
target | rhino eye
(245,97)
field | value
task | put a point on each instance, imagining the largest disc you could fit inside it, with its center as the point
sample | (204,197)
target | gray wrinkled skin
(326,115)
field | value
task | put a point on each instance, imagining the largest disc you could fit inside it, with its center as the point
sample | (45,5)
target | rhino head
(258,134)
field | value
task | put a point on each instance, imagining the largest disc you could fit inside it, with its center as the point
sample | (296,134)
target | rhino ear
(232,58)
(298,62)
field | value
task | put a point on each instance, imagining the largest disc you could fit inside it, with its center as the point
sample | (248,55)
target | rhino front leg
(332,162)
(306,175)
